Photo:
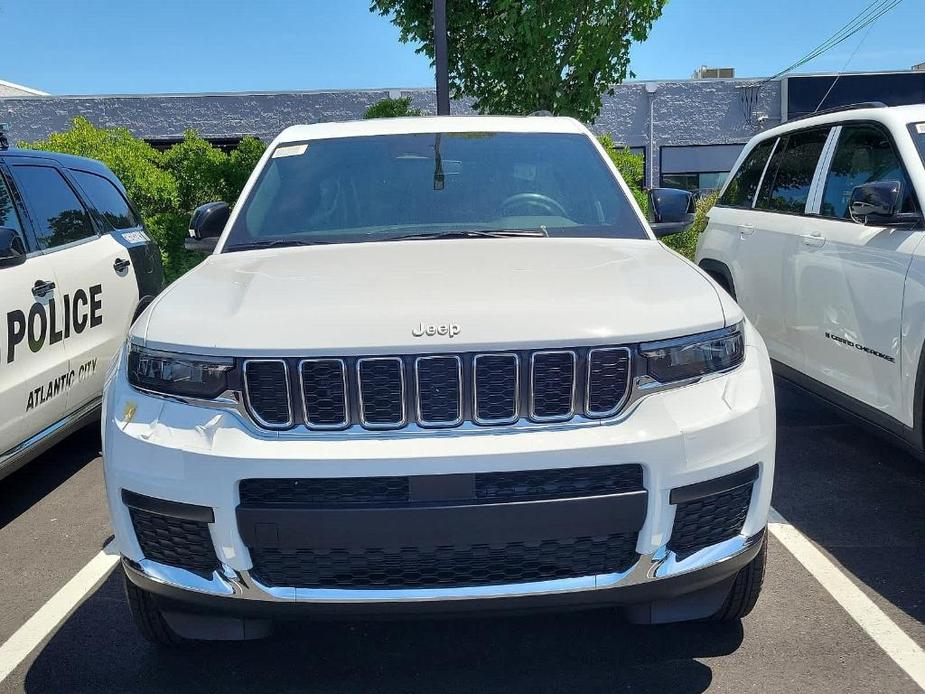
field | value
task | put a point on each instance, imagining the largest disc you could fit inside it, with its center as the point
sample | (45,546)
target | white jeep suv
(818,236)
(438,364)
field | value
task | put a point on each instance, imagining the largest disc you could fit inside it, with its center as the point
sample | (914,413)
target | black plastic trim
(162,507)
(438,525)
(699,490)
(715,267)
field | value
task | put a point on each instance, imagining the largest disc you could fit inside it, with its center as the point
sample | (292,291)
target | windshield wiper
(276,243)
(471,234)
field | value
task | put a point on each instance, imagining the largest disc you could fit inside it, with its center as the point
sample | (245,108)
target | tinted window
(358,189)
(8,215)
(790,173)
(741,189)
(864,154)
(107,199)
(60,217)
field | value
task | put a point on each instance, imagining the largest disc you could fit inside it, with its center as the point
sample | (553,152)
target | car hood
(367,298)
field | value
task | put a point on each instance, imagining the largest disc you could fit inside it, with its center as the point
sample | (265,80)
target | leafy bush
(392,108)
(685,243)
(632,168)
(165,186)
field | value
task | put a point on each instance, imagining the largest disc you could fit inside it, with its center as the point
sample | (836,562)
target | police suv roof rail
(838,109)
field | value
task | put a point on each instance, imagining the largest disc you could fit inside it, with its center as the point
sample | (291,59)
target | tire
(147,616)
(745,589)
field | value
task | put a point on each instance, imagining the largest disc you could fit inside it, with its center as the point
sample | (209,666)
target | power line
(862,20)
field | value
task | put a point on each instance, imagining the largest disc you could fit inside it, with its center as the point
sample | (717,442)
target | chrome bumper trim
(661,564)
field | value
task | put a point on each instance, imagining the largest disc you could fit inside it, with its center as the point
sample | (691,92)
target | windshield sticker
(289,151)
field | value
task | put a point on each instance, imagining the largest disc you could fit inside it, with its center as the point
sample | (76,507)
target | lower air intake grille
(528,485)
(176,542)
(267,390)
(707,521)
(447,566)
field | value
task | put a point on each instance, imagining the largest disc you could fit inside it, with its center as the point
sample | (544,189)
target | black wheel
(147,616)
(745,590)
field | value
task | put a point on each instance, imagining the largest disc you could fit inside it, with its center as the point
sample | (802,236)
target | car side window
(744,183)
(790,174)
(60,217)
(864,154)
(107,199)
(9,218)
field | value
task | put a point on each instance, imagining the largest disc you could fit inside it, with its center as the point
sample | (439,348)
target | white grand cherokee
(818,235)
(437,364)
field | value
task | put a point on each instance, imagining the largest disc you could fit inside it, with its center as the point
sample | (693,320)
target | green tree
(165,186)
(392,108)
(520,56)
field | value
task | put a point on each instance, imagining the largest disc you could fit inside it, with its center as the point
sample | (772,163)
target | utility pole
(440,58)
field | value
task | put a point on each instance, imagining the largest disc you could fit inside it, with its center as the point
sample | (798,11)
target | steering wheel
(534,200)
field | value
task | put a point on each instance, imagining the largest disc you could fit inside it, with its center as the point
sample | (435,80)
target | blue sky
(129,46)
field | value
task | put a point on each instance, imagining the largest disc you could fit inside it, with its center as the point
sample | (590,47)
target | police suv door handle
(121,264)
(42,287)
(746,230)
(814,240)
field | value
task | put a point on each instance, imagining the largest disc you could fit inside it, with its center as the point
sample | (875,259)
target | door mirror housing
(672,210)
(12,252)
(206,225)
(878,203)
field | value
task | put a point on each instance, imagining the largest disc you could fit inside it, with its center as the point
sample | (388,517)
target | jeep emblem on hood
(448,329)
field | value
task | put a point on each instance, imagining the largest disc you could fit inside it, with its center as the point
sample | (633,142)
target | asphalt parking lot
(858,499)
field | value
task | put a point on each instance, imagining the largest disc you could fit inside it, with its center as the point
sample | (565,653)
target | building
(689,131)
(10,89)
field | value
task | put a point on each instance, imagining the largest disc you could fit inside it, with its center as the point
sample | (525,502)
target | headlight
(696,355)
(178,374)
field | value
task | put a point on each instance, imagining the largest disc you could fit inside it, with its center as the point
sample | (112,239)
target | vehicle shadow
(856,495)
(35,480)
(578,652)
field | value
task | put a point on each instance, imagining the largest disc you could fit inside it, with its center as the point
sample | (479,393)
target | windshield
(918,134)
(397,186)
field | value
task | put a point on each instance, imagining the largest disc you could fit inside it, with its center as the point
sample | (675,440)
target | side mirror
(878,203)
(671,209)
(12,252)
(206,225)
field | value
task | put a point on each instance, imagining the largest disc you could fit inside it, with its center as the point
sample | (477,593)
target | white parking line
(883,630)
(50,615)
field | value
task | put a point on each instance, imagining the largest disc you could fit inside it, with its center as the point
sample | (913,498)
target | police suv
(76,267)
(438,364)
(818,235)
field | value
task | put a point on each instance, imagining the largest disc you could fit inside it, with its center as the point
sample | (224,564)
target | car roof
(68,161)
(431,124)
(889,115)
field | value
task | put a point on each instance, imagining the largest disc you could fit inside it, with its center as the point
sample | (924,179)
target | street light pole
(440,58)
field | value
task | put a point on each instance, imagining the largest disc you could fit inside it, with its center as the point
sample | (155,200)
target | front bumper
(682,439)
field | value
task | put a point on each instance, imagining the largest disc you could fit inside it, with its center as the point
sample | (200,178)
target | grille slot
(439,390)
(709,520)
(176,542)
(324,393)
(497,385)
(445,566)
(552,378)
(382,392)
(608,381)
(266,385)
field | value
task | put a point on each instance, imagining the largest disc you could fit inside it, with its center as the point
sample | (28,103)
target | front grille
(441,390)
(708,520)
(445,566)
(267,391)
(488,487)
(176,542)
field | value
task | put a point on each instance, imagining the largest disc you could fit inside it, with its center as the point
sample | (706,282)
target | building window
(705,182)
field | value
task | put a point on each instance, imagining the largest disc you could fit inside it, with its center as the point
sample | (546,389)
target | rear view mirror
(12,251)
(878,203)
(671,210)
(206,225)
